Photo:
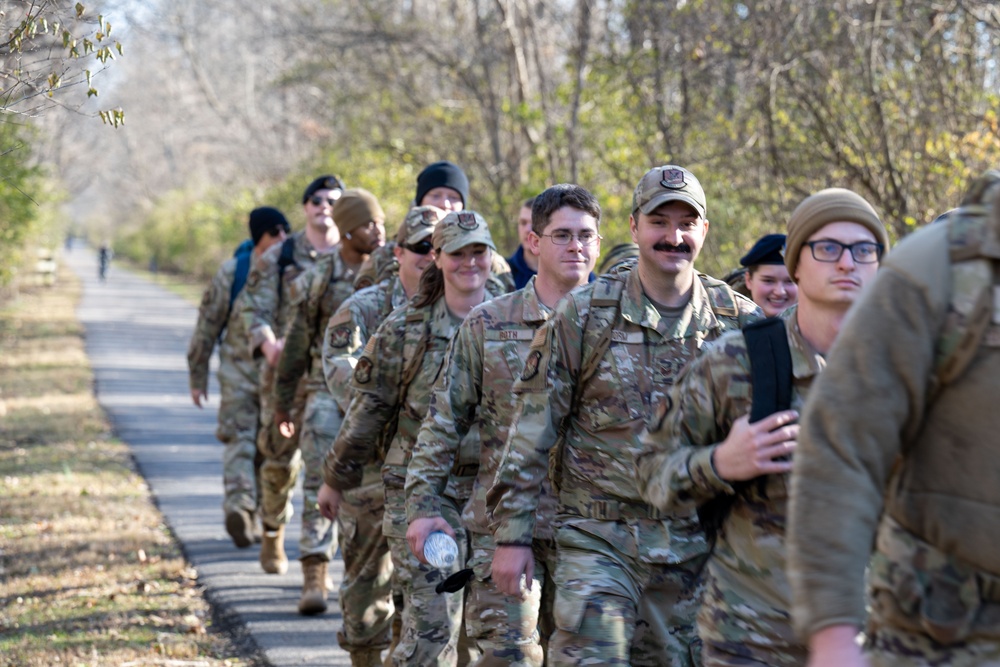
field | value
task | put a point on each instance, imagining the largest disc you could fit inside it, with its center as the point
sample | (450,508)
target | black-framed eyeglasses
(420,248)
(586,237)
(316,200)
(277,230)
(828,250)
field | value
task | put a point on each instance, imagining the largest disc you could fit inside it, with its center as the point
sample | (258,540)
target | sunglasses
(316,200)
(421,248)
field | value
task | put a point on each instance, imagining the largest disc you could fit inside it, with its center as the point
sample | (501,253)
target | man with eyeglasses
(895,484)
(486,356)
(317,295)
(628,576)
(708,453)
(365,597)
(267,311)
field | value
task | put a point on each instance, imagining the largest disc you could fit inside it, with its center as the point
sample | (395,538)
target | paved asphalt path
(136,337)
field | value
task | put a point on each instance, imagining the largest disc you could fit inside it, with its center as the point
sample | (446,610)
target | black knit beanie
(264,220)
(442,175)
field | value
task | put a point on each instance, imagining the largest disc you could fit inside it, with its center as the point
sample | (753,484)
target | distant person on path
(104,255)
(267,310)
(219,322)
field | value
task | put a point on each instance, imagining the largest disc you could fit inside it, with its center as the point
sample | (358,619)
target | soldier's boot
(272,550)
(366,658)
(240,526)
(313,600)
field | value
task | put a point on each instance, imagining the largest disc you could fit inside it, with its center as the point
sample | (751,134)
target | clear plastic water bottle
(440,550)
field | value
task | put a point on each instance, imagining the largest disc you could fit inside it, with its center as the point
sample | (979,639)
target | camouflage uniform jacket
(598,493)
(486,356)
(318,293)
(675,473)
(349,329)
(212,322)
(268,307)
(410,338)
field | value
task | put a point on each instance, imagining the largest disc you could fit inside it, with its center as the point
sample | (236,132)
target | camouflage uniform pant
(432,632)
(239,417)
(366,602)
(727,640)
(505,628)
(612,609)
(320,424)
(281,458)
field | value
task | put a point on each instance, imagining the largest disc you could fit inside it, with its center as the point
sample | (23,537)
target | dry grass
(89,575)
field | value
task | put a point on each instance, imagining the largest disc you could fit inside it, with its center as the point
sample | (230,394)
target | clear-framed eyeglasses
(828,250)
(586,237)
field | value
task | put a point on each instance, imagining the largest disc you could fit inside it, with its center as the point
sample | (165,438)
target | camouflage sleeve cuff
(520,531)
(422,507)
(342,479)
(704,478)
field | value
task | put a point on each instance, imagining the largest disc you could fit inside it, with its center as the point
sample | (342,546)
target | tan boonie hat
(668,183)
(459,229)
(418,224)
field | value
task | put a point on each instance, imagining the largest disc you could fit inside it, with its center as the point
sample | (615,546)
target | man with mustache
(597,372)
(708,452)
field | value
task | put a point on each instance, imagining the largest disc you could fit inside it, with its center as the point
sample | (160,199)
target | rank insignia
(363,371)
(672,178)
(531,365)
(340,336)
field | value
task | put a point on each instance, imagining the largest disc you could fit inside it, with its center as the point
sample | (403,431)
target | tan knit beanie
(356,208)
(822,208)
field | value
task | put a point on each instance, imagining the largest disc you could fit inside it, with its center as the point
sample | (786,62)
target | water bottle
(440,550)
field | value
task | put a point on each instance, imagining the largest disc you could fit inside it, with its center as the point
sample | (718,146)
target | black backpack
(771,378)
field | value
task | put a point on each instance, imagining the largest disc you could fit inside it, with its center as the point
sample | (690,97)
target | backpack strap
(770,367)
(286,258)
(417,331)
(605,307)
(243,255)
(974,251)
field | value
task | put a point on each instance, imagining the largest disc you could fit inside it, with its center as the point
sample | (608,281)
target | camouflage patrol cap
(459,229)
(668,183)
(418,224)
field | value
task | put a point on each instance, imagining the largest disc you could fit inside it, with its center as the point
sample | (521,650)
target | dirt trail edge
(136,338)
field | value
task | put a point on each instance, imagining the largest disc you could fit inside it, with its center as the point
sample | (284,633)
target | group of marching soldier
(639,467)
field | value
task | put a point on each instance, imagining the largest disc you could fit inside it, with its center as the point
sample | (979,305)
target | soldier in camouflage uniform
(474,390)
(321,290)
(239,410)
(365,598)
(266,311)
(392,384)
(706,449)
(597,372)
(897,450)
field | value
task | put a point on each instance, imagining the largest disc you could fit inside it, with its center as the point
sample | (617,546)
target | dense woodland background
(228,105)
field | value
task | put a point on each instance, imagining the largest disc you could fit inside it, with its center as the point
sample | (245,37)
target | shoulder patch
(363,371)
(340,336)
(531,365)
